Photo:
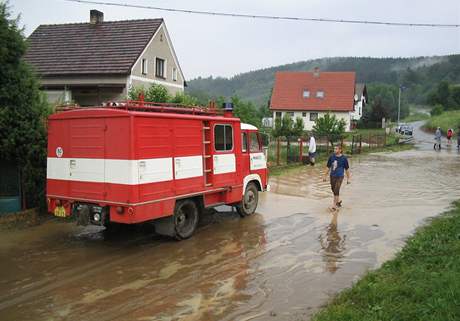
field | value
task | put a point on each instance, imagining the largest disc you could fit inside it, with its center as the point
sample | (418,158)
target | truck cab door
(244,153)
(257,160)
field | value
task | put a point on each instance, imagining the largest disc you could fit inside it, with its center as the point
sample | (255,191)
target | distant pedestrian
(312,150)
(458,138)
(337,167)
(437,139)
(450,134)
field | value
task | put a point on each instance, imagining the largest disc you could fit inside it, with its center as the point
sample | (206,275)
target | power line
(255,16)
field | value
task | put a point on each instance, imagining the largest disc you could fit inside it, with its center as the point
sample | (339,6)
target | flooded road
(282,263)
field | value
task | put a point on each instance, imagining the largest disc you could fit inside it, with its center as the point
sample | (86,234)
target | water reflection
(332,245)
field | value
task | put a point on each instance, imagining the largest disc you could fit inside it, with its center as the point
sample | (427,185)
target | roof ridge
(310,72)
(104,22)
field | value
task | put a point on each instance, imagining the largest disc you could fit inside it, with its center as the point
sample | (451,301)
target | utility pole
(399,103)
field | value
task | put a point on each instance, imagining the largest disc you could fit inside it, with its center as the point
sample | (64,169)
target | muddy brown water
(282,263)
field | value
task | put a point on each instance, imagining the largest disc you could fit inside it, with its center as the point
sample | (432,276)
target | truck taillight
(120,209)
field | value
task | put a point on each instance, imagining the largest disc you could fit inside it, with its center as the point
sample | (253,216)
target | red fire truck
(134,162)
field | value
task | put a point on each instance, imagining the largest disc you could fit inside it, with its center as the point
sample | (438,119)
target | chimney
(316,72)
(96,17)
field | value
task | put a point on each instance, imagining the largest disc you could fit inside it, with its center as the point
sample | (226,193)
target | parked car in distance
(406,130)
(398,128)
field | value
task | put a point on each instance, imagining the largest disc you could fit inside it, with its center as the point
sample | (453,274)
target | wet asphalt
(282,263)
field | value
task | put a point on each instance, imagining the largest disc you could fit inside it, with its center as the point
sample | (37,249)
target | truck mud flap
(83,215)
(165,226)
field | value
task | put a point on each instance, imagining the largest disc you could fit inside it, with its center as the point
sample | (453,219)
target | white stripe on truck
(134,172)
(114,171)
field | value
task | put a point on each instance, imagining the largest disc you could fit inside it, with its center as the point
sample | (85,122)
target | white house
(310,95)
(361,100)
(97,61)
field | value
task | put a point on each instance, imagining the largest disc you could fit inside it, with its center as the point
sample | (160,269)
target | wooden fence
(286,150)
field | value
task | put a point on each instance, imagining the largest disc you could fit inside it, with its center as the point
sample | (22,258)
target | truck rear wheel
(248,204)
(185,219)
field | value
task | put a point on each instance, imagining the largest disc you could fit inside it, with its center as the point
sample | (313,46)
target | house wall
(85,91)
(358,112)
(308,124)
(160,47)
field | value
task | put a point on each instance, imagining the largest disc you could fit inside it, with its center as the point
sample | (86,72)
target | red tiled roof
(338,88)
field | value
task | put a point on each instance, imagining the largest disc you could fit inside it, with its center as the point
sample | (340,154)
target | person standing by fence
(312,150)
(337,168)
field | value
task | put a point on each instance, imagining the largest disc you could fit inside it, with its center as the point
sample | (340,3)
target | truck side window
(244,142)
(223,138)
(254,145)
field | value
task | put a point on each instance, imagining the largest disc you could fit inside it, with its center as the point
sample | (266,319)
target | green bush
(437,110)
(330,126)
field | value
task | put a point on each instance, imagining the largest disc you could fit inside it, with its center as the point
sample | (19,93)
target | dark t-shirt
(338,165)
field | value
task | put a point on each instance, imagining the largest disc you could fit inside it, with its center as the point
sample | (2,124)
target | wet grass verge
(421,283)
(321,159)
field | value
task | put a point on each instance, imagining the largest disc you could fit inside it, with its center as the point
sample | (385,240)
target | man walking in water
(437,139)
(337,167)
(312,150)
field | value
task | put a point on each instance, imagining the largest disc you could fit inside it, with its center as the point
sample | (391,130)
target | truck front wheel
(248,204)
(185,218)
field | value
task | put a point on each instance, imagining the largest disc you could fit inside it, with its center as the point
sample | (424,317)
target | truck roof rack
(144,106)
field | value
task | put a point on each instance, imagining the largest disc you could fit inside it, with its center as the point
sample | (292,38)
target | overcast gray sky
(220,46)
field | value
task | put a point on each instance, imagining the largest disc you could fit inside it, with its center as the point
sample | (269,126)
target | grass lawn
(415,117)
(421,283)
(322,158)
(448,119)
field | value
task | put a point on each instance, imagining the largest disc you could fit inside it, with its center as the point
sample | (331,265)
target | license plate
(59,211)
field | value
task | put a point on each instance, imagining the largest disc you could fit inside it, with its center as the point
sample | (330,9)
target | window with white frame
(306,93)
(174,74)
(290,113)
(304,114)
(159,68)
(144,66)
(320,94)
(313,116)
(278,114)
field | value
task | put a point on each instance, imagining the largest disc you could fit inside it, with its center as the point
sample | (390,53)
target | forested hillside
(419,75)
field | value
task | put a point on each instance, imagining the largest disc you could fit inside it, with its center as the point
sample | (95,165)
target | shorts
(336,182)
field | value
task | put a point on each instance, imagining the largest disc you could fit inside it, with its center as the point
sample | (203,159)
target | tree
(443,93)
(23,112)
(297,128)
(455,96)
(134,92)
(437,110)
(330,126)
(184,99)
(246,111)
(283,126)
(157,93)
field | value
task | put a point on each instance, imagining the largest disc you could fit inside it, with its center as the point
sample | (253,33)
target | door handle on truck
(73,164)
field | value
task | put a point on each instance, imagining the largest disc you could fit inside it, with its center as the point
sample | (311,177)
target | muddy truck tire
(182,224)
(248,204)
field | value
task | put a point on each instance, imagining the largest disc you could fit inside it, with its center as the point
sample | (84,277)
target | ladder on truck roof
(144,106)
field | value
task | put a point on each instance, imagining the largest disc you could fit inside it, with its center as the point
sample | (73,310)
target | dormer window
(306,93)
(320,94)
